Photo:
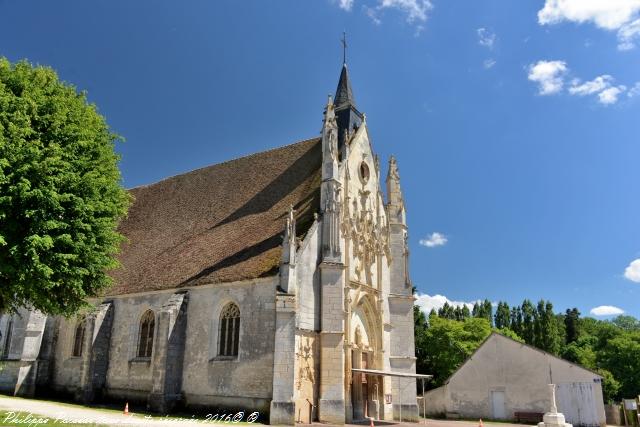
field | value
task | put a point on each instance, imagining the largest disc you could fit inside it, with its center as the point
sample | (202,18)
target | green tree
(610,386)
(509,333)
(571,324)
(483,310)
(502,317)
(487,311)
(515,324)
(450,343)
(581,352)
(60,193)
(628,323)
(538,333)
(550,334)
(528,330)
(420,327)
(621,357)
(447,311)
(466,313)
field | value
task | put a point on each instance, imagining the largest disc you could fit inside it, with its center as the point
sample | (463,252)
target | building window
(78,339)
(145,338)
(7,340)
(364,172)
(229,331)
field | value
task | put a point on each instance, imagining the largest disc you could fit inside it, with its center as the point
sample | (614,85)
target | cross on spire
(344,47)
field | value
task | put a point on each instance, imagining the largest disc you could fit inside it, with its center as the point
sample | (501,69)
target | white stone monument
(553,418)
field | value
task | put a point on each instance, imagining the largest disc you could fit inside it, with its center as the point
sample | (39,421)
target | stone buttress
(402,346)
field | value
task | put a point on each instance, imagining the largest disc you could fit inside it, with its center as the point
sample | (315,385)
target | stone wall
(521,372)
(245,382)
(21,336)
(129,377)
(306,390)
(191,368)
(308,280)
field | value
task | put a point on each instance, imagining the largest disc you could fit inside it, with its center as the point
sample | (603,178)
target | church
(276,282)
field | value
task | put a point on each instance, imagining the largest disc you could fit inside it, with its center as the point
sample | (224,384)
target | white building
(503,377)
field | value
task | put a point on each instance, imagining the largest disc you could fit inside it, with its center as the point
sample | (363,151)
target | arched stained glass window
(78,339)
(229,333)
(7,340)
(145,337)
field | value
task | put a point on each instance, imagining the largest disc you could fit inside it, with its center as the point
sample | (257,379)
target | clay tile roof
(221,223)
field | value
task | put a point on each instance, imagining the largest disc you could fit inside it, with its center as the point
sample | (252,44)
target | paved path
(423,423)
(79,414)
(454,423)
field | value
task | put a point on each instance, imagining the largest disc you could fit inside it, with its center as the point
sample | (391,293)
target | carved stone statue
(554,408)
(553,418)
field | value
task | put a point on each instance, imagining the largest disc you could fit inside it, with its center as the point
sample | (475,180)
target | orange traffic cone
(371,422)
(480,424)
(126,408)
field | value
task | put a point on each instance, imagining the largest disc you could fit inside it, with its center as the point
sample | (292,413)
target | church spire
(344,94)
(347,116)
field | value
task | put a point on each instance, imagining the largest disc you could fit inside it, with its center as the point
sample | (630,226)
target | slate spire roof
(344,94)
(347,115)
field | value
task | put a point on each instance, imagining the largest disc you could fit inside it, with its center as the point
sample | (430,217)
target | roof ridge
(533,347)
(224,162)
(529,346)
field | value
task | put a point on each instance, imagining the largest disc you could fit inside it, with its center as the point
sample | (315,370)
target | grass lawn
(18,418)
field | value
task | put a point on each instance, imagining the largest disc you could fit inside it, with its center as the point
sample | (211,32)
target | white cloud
(602,85)
(345,4)
(435,239)
(598,84)
(608,14)
(634,91)
(372,14)
(606,310)
(627,34)
(489,63)
(549,75)
(416,10)
(610,96)
(486,38)
(632,272)
(611,15)
(427,302)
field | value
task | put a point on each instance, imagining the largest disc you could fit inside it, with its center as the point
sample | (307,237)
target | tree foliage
(483,310)
(502,317)
(621,357)
(60,193)
(571,318)
(611,348)
(447,343)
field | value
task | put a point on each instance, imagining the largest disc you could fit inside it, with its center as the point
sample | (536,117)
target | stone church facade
(255,284)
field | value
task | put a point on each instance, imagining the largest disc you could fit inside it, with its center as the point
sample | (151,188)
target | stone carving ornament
(305,361)
(369,238)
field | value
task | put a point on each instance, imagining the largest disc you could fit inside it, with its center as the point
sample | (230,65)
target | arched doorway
(365,354)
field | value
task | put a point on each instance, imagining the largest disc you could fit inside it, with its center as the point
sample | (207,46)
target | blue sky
(515,124)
